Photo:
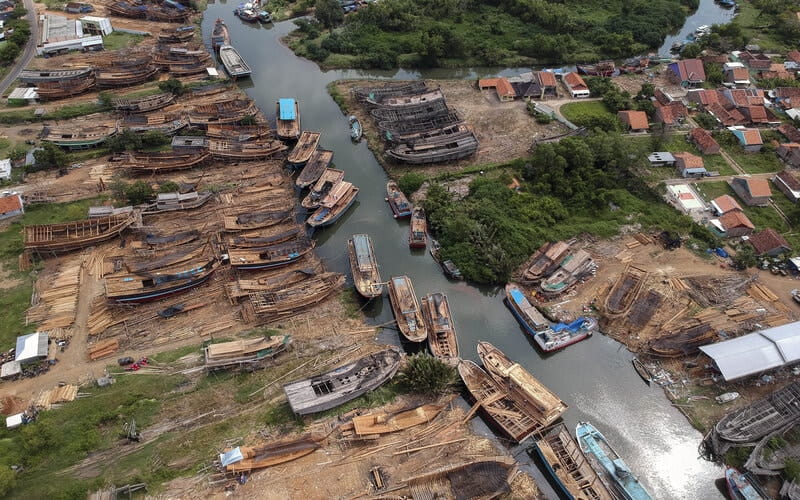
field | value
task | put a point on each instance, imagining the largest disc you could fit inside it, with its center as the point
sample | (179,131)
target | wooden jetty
(294,298)
(315,167)
(384,423)
(252,150)
(272,256)
(245,354)
(411,112)
(330,177)
(521,385)
(331,208)
(442,338)
(155,285)
(390,128)
(364,266)
(420,154)
(374,95)
(163,161)
(68,236)
(79,138)
(305,147)
(406,309)
(287,117)
(624,292)
(255,220)
(234,63)
(343,383)
(405,100)
(418,229)
(273,453)
(176,35)
(143,104)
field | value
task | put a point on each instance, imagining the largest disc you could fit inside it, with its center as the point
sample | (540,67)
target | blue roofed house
(749,138)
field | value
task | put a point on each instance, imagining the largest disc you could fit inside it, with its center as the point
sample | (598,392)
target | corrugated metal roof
(287,109)
(361,244)
(30,347)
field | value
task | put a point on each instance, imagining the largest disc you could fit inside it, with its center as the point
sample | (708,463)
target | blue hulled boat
(740,487)
(355,129)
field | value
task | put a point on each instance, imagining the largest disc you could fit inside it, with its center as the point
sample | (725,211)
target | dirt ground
(657,76)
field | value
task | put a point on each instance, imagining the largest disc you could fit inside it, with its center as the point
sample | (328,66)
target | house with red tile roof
(724,204)
(790,132)
(735,224)
(738,77)
(786,97)
(793,56)
(727,117)
(759,115)
(634,121)
(769,242)
(662,97)
(11,206)
(789,152)
(703,97)
(788,184)
(749,138)
(744,97)
(687,73)
(671,114)
(576,85)
(703,141)
(505,92)
(689,165)
(755,60)
(753,192)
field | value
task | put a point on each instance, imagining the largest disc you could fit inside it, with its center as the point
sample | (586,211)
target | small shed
(31,347)
(5,169)
(661,159)
(96,25)
(576,85)
(14,421)
(10,369)
(27,95)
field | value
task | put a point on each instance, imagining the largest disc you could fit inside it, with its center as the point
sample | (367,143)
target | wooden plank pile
(56,299)
(60,394)
(103,349)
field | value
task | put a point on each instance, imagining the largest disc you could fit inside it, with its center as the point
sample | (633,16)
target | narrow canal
(594,377)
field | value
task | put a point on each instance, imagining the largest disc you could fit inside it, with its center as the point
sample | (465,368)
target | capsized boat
(397,201)
(384,422)
(355,128)
(608,464)
(247,458)
(340,385)
(287,113)
(406,309)
(330,177)
(418,229)
(220,35)
(442,339)
(340,198)
(234,63)
(364,265)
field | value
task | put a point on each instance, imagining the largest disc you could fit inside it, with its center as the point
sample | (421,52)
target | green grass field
(577,112)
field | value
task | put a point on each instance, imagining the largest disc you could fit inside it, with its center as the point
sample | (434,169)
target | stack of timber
(79,138)
(482,479)
(56,299)
(103,348)
(568,467)
(545,261)
(317,163)
(61,394)
(344,383)
(170,202)
(246,354)
(272,256)
(624,292)
(442,339)
(297,297)
(384,423)
(176,35)
(364,266)
(163,161)
(249,458)
(374,95)
(251,150)
(143,104)
(68,236)
(255,220)
(305,147)
(167,124)
(334,205)
(225,112)
(147,286)
(329,178)
(125,76)
(239,133)
(407,310)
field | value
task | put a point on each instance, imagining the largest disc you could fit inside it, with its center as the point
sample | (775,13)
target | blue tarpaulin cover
(287,109)
(231,457)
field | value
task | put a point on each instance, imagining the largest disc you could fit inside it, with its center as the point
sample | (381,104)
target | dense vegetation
(579,185)
(425,374)
(394,33)
(20,31)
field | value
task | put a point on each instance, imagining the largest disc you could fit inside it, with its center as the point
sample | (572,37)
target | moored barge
(364,266)
(406,309)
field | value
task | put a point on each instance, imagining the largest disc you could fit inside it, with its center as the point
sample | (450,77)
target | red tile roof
(793,56)
(546,78)
(735,218)
(688,160)
(726,203)
(789,179)
(575,82)
(10,204)
(768,240)
(758,187)
(757,114)
(790,132)
(787,92)
(776,75)
(501,85)
(740,74)
(752,137)
(703,140)
(637,120)
(662,97)
(705,96)
(727,117)
(690,70)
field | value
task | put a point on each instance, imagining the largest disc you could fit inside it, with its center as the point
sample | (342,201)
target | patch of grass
(350,301)
(63,113)
(384,394)
(755,163)
(118,40)
(338,98)
(583,112)
(172,356)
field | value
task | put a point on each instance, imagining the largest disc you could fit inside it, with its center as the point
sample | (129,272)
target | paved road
(28,52)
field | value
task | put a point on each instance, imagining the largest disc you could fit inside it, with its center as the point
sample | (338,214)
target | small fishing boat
(397,201)
(287,113)
(245,354)
(220,35)
(234,63)
(340,198)
(364,265)
(150,286)
(330,177)
(355,128)
(249,458)
(306,145)
(264,16)
(383,423)
(315,167)
(246,12)
(740,487)
(442,339)
(726,397)
(608,464)
(406,309)
(449,268)
(344,383)
(418,229)
(642,370)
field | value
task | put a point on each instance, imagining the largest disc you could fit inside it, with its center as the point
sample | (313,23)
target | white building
(31,347)
(5,169)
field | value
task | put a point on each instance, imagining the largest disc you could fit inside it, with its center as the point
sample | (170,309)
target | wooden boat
(340,198)
(625,290)
(273,453)
(220,35)
(79,138)
(417,154)
(364,266)
(608,464)
(454,130)
(61,75)
(188,69)
(330,177)
(224,112)
(58,90)
(406,309)
(164,124)
(264,237)
(740,486)
(344,383)
(403,101)
(442,338)
(503,411)
(567,466)
(374,95)
(483,479)
(170,58)
(356,131)
(602,68)
(234,63)
(546,260)
(642,371)
(170,202)
(239,133)
(522,386)
(176,35)
(397,201)
(287,116)
(272,256)
(315,167)
(305,147)
(252,150)
(145,263)
(753,422)
(434,141)
(448,266)
(147,287)
(116,76)
(68,236)
(289,300)
(164,161)
(160,242)
(143,104)
(418,229)
(425,124)
(247,354)
(255,220)
(412,112)
(210,89)
(529,318)
(384,423)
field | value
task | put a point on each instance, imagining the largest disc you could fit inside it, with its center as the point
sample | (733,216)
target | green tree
(139,192)
(329,13)
(8,53)
(425,374)
(7,480)
(172,86)
(410,182)
(745,257)
(168,187)
(18,152)
(50,156)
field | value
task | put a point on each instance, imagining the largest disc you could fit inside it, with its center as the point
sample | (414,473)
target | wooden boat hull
(260,457)
(442,337)
(415,112)
(234,63)
(144,297)
(418,229)
(642,371)
(356,131)
(57,238)
(398,202)
(288,130)
(288,300)
(314,168)
(407,310)
(329,178)
(287,253)
(220,35)
(384,423)
(373,95)
(369,286)
(305,147)
(459,148)
(322,219)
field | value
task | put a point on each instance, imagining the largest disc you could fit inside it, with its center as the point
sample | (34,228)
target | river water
(594,377)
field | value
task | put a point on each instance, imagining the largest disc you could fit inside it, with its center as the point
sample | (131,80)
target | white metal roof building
(756,352)
(31,347)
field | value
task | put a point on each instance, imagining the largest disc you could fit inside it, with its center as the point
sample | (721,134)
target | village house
(788,184)
(753,192)
(687,73)
(769,243)
(11,205)
(749,138)
(724,204)
(505,92)
(576,85)
(790,132)
(735,224)
(703,141)
(789,152)
(786,97)
(753,60)
(794,56)
(634,121)
(702,97)
(689,165)
(670,115)
(736,75)
(661,159)
(685,199)
(776,71)
(5,170)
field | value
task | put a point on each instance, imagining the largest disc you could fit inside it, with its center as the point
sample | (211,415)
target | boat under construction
(391,128)
(419,154)
(364,266)
(567,466)
(315,167)
(245,354)
(402,101)
(329,178)
(521,385)
(170,202)
(578,264)
(257,219)
(412,112)
(373,424)
(249,458)
(251,150)
(234,63)
(91,135)
(334,205)
(180,34)
(418,229)
(57,238)
(239,133)
(289,300)
(166,124)
(375,95)
(139,162)
(344,383)
(272,256)
(545,261)
(287,117)
(220,35)
(224,112)
(124,76)
(442,338)
(48,90)
(264,237)
(624,292)
(305,147)
(483,479)
(407,310)
(37,76)
(147,286)
(143,104)
(424,137)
